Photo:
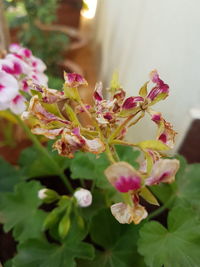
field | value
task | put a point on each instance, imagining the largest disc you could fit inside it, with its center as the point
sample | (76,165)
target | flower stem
(162,208)
(44,151)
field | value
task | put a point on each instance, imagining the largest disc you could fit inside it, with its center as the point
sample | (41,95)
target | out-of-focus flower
(22,66)
(127,214)
(83,197)
(74,80)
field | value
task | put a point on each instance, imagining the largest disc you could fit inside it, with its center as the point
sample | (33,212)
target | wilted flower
(83,197)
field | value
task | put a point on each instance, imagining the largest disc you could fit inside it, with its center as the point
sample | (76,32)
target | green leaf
(88,166)
(176,246)
(114,83)
(118,242)
(143,90)
(33,164)
(20,213)
(128,154)
(39,253)
(9,176)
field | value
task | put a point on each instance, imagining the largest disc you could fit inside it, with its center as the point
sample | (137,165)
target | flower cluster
(55,115)
(16,68)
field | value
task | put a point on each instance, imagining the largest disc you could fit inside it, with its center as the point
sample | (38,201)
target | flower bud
(47,195)
(83,197)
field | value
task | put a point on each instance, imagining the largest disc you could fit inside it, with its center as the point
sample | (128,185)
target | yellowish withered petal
(94,146)
(49,133)
(122,212)
(139,213)
(126,214)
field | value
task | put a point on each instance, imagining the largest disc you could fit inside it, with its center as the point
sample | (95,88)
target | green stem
(43,151)
(162,208)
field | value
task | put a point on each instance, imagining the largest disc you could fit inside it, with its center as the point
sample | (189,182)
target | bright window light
(90,10)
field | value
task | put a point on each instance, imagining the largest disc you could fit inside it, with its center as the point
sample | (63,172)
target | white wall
(136,36)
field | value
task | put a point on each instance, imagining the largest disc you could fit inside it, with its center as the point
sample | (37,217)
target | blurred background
(97,37)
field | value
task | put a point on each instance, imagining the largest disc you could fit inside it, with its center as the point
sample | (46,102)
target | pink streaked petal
(17,105)
(125,184)
(163,171)
(132,102)
(122,169)
(26,52)
(98,95)
(9,87)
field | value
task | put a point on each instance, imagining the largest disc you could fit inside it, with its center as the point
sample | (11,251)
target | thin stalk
(139,118)
(162,208)
(121,126)
(43,151)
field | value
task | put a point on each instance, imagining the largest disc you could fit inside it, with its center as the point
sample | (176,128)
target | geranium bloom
(22,65)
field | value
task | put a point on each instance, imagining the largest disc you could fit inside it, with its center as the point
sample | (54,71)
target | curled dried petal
(127,214)
(49,133)
(36,109)
(74,80)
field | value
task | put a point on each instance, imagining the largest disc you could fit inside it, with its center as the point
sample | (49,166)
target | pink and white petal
(4,105)
(19,66)
(17,104)
(8,87)
(14,48)
(38,64)
(39,78)
(118,170)
(163,171)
